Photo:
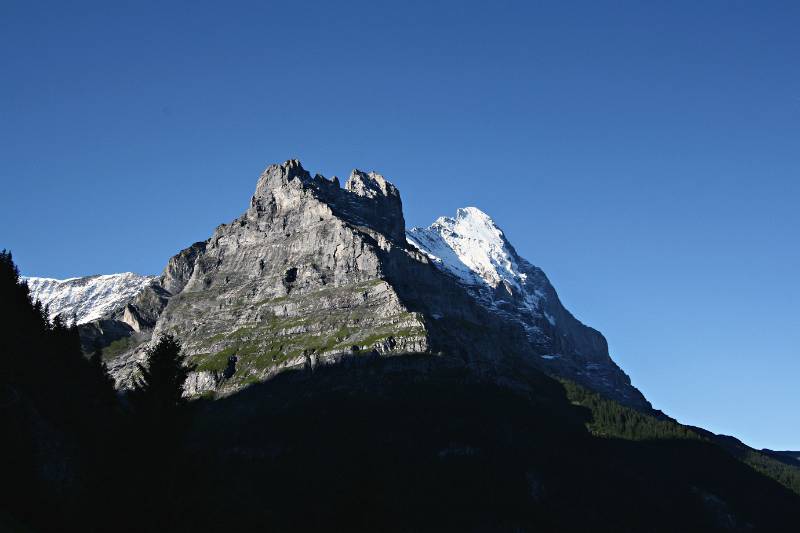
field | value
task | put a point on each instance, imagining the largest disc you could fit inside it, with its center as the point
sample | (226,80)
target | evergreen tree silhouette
(59,438)
(159,390)
(158,405)
(104,395)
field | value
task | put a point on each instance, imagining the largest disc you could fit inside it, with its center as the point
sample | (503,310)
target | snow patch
(475,251)
(87,298)
(469,246)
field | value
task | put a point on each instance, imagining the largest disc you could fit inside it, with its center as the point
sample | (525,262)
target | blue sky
(647,157)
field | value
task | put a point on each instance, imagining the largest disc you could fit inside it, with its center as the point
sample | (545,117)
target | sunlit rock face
(313,273)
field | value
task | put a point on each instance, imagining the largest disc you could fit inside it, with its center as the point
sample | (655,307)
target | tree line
(76,452)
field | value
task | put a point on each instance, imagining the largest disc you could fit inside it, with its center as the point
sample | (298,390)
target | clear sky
(645,154)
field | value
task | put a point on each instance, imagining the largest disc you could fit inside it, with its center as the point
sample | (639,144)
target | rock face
(473,250)
(312,273)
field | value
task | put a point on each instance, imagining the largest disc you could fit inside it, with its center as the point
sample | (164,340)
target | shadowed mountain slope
(370,445)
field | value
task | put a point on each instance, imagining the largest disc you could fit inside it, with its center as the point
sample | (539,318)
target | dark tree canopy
(105,395)
(159,388)
(59,413)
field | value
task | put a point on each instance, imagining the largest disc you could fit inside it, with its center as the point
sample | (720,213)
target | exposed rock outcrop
(313,272)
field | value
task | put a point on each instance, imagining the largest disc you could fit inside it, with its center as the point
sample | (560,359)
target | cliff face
(472,249)
(313,272)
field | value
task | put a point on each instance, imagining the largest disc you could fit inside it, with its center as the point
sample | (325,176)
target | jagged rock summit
(314,273)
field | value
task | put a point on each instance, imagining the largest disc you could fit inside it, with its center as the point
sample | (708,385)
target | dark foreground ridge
(414,443)
(368,445)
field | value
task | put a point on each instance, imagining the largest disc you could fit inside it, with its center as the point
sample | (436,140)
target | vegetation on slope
(375,446)
(610,419)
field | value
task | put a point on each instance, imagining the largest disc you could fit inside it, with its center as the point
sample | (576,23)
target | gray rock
(312,273)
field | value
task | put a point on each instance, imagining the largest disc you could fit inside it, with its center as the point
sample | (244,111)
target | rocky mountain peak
(315,272)
(475,252)
(475,225)
(291,168)
(367,200)
(469,246)
(376,202)
(370,185)
(279,176)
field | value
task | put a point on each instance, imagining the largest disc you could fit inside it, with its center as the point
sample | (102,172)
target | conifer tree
(157,400)
(48,406)
(159,389)
(105,396)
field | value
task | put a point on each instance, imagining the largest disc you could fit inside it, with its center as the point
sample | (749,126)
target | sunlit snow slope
(88,298)
(474,250)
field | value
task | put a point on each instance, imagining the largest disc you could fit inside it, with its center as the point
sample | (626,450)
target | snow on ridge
(471,247)
(89,297)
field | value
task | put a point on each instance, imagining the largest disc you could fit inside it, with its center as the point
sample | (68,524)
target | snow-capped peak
(87,298)
(471,247)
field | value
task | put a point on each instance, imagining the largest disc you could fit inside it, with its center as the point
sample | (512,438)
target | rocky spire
(370,185)
(277,176)
(380,206)
(367,200)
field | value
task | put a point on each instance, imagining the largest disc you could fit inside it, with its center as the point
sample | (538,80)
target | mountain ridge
(86,298)
(436,367)
(314,271)
(471,247)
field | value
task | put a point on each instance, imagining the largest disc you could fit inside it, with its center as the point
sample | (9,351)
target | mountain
(87,298)
(472,249)
(313,272)
(357,376)
(787,456)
